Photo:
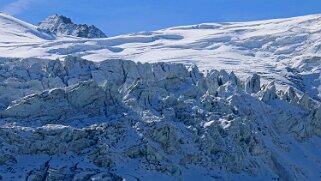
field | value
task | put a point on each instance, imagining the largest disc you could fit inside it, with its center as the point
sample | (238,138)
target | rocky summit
(61,25)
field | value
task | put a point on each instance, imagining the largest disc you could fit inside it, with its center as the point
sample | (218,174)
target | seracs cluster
(116,119)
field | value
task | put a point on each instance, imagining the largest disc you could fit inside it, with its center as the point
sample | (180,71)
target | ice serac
(252,84)
(269,92)
(290,95)
(118,119)
(57,104)
(61,25)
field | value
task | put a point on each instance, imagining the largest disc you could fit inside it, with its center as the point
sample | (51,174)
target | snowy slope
(284,50)
(13,30)
(101,117)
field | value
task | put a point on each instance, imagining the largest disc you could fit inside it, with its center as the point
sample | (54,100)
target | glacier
(286,51)
(216,101)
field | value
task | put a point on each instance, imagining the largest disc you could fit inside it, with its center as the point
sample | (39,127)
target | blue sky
(116,17)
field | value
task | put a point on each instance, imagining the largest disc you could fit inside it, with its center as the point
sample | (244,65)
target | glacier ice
(117,119)
(249,110)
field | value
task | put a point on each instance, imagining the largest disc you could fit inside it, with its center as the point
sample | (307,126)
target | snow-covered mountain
(157,106)
(62,26)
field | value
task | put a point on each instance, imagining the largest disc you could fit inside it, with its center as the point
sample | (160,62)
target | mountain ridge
(62,26)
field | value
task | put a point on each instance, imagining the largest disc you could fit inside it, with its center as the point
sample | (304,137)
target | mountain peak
(61,25)
(59,18)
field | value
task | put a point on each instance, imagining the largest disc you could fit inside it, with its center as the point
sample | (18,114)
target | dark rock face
(61,25)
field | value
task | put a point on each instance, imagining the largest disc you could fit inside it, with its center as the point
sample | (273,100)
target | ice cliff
(117,119)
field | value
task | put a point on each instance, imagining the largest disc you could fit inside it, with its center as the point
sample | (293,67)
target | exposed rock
(61,25)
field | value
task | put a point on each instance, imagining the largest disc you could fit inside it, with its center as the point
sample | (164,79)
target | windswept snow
(14,31)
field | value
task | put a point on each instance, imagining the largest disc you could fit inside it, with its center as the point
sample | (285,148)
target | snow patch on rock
(61,26)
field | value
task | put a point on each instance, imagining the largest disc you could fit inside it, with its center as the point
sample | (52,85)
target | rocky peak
(59,19)
(61,25)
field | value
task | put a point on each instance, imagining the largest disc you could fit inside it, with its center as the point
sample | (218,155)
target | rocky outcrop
(61,25)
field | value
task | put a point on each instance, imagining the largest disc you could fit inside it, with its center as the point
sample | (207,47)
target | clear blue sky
(116,17)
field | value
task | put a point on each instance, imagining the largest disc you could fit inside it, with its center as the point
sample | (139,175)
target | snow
(97,116)
(265,47)
(13,31)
